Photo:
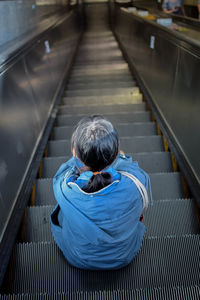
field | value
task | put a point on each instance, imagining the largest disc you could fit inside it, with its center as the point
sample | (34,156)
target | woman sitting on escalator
(101,195)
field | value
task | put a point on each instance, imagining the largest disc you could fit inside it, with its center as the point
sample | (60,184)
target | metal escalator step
(154,162)
(103,100)
(168,293)
(97,63)
(44,193)
(106,109)
(91,47)
(64,120)
(87,52)
(108,41)
(100,78)
(164,218)
(129,129)
(167,261)
(108,53)
(37,228)
(120,66)
(97,58)
(105,91)
(151,162)
(171,217)
(98,39)
(141,144)
(92,63)
(129,145)
(51,164)
(164,186)
(121,70)
(96,85)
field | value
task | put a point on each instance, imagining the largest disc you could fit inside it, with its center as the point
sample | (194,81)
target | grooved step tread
(117,67)
(109,52)
(122,117)
(100,78)
(176,258)
(164,186)
(106,109)
(129,129)
(91,48)
(98,59)
(105,91)
(98,39)
(172,293)
(102,85)
(128,144)
(120,70)
(153,162)
(104,100)
(98,63)
(164,218)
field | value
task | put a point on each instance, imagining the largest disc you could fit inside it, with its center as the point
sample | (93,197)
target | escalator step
(109,53)
(44,193)
(100,78)
(167,261)
(172,293)
(153,162)
(97,63)
(115,118)
(164,186)
(87,49)
(105,91)
(129,129)
(92,47)
(103,100)
(164,218)
(106,109)
(93,58)
(167,186)
(171,217)
(128,144)
(118,70)
(38,227)
(93,85)
(107,68)
(100,57)
(101,39)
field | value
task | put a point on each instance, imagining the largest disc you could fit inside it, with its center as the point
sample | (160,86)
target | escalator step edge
(173,293)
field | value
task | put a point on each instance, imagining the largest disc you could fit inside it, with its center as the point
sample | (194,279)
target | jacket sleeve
(125,163)
(68,165)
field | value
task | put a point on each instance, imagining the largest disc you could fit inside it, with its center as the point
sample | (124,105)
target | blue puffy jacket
(100,230)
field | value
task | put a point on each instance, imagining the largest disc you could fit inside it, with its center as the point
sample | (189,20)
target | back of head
(96,144)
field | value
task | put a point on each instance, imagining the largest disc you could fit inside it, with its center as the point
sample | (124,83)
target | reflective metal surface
(171,73)
(27,93)
(17,17)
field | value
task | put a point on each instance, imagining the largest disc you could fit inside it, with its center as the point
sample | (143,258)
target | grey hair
(96,142)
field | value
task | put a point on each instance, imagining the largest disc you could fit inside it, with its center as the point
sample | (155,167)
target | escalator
(167,267)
